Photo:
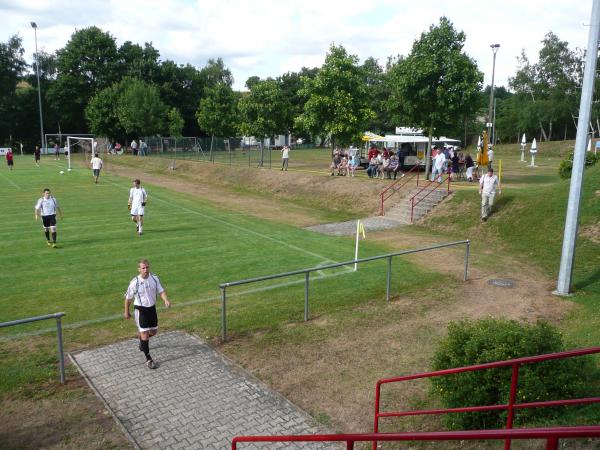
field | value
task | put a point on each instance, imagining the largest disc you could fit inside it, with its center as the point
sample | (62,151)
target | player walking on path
(9,159)
(137,202)
(47,207)
(487,189)
(143,290)
(96,164)
(37,155)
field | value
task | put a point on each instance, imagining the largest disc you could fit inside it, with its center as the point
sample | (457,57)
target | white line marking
(10,181)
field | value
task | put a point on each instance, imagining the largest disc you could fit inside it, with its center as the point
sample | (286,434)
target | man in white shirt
(142,290)
(439,162)
(134,148)
(47,207)
(96,164)
(490,156)
(285,157)
(136,204)
(487,189)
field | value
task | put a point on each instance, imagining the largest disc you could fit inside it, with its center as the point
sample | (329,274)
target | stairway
(401,211)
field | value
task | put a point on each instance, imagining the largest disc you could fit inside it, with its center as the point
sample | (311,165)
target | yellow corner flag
(361,228)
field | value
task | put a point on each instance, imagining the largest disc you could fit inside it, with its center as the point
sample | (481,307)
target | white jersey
(488,184)
(96,163)
(137,196)
(285,153)
(47,206)
(143,291)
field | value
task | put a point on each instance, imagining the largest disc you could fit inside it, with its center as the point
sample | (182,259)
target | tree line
(93,86)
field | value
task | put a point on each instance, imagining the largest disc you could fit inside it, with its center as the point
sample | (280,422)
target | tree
(137,62)
(437,84)
(101,113)
(140,110)
(217,111)
(86,65)
(293,98)
(12,66)
(260,110)
(175,123)
(337,102)
(377,84)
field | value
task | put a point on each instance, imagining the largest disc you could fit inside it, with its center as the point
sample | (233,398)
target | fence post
(349,445)
(306,275)
(376,415)
(552,443)
(467,260)
(389,280)
(223,315)
(511,402)
(61,356)
(412,208)
(381,210)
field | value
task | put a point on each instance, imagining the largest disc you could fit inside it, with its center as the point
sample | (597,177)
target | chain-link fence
(230,151)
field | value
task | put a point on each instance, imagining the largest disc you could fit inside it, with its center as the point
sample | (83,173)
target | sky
(271,37)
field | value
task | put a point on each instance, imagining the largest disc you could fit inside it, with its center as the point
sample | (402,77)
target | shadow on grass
(592,279)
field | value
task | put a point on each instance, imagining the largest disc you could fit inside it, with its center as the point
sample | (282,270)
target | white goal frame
(73,140)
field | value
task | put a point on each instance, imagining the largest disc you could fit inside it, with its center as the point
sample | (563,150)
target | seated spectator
(343,167)
(373,168)
(372,152)
(386,152)
(353,164)
(335,163)
(385,165)
(394,167)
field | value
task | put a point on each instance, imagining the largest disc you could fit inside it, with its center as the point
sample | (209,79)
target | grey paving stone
(195,399)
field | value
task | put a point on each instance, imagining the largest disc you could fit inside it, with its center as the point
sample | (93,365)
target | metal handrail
(306,272)
(511,406)
(437,185)
(404,179)
(550,434)
(57,316)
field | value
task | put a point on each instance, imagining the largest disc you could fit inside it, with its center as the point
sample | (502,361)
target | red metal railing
(512,405)
(396,185)
(551,435)
(436,184)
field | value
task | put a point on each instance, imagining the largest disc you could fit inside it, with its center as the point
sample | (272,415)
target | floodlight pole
(37,69)
(494,48)
(567,258)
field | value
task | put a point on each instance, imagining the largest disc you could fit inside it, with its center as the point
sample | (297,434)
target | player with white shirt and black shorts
(143,290)
(47,207)
(136,204)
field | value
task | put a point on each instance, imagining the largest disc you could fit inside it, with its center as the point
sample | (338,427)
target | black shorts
(9,162)
(146,318)
(49,221)
(96,172)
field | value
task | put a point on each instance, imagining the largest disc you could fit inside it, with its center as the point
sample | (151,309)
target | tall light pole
(494,48)
(37,67)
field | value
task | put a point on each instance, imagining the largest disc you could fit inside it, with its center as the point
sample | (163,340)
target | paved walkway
(195,399)
(348,228)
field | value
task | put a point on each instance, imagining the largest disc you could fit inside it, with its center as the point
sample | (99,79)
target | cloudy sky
(271,37)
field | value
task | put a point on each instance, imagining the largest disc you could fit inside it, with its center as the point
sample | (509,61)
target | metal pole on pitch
(61,356)
(223,315)
(570,235)
(356,247)
(306,276)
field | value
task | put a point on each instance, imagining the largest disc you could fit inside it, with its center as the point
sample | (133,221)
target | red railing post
(381,210)
(412,208)
(418,177)
(511,402)
(448,183)
(552,443)
(376,416)
(349,445)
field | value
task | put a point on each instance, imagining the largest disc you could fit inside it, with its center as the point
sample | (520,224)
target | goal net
(82,147)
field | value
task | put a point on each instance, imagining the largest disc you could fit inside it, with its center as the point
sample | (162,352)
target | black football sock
(146,349)
(47,233)
(54,237)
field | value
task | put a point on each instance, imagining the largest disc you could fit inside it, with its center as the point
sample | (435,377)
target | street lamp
(494,48)
(37,67)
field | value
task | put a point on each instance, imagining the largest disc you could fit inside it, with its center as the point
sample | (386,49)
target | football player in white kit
(137,202)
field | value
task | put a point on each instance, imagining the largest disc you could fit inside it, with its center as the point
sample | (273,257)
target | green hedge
(488,340)
(566,166)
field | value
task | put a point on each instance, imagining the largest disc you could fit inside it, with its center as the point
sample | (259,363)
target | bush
(488,340)
(566,166)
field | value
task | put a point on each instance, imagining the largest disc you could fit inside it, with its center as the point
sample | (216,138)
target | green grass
(192,245)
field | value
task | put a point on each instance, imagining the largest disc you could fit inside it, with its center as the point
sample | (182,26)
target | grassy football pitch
(192,245)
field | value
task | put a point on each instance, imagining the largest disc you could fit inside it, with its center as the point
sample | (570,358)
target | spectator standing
(487,189)
(490,156)
(455,166)
(469,165)
(56,152)
(134,148)
(37,155)
(142,291)
(439,162)
(285,157)
(9,159)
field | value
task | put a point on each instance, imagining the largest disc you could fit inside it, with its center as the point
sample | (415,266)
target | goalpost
(85,145)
